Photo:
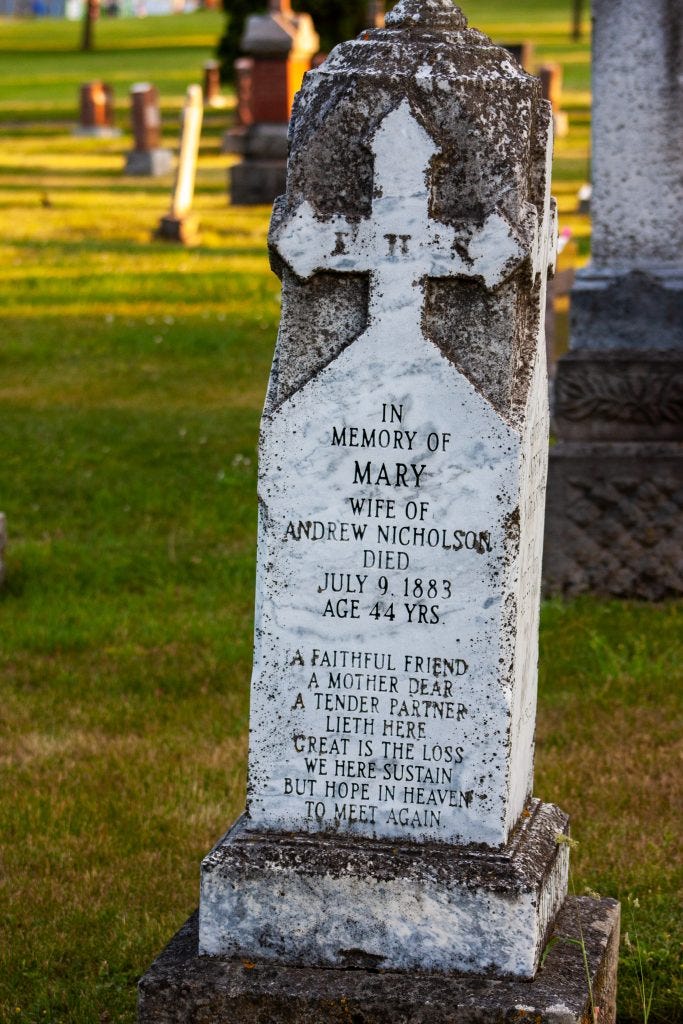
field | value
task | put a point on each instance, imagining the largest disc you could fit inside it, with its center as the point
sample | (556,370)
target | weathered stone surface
(637,129)
(374,236)
(403,456)
(402,473)
(620,396)
(182,986)
(614,520)
(432,908)
(611,523)
(637,310)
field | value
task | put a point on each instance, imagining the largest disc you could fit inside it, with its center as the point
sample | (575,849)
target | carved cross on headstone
(400,245)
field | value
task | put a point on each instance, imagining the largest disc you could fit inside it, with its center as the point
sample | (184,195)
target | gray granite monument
(615,494)
(392,862)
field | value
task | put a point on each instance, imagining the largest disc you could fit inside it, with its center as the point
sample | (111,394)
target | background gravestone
(390,824)
(180,224)
(212,85)
(147,158)
(96,110)
(551,83)
(279,47)
(615,494)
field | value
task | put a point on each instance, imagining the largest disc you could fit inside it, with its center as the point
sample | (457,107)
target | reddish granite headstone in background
(147,158)
(279,47)
(96,110)
(212,85)
(551,84)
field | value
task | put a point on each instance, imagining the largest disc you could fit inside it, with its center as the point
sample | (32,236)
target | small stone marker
(551,84)
(180,224)
(97,111)
(280,46)
(212,85)
(614,523)
(147,157)
(390,827)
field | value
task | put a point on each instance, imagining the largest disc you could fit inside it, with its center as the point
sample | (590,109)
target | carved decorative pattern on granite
(635,396)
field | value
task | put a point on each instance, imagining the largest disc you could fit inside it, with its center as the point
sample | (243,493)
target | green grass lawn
(131,381)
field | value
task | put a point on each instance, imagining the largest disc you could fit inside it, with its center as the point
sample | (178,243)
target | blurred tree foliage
(335,20)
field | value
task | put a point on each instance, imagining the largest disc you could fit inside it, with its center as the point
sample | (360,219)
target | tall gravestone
(615,496)
(392,863)
(180,223)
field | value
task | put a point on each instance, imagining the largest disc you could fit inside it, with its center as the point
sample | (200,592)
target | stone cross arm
(399,244)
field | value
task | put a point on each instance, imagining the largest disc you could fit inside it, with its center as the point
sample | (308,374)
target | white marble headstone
(400,523)
(402,470)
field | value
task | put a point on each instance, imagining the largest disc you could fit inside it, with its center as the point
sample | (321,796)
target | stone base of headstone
(254,182)
(99,132)
(426,906)
(639,310)
(151,163)
(257,142)
(183,987)
(262,175)
(179,229)
(613,520)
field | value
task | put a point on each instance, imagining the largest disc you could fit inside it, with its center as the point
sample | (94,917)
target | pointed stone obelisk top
(426,13)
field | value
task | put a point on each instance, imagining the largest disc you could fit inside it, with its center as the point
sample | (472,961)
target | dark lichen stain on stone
(492,158)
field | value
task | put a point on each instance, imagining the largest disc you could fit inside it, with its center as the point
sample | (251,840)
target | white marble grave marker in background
(180,224)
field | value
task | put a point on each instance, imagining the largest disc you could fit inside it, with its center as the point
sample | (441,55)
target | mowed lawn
(132,376)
